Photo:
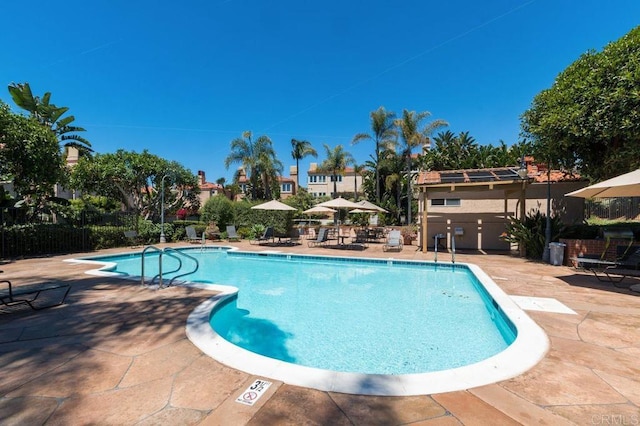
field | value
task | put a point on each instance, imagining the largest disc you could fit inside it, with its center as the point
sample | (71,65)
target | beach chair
(394,241)
(611,271)
(267,237)
(192,235)
(11,295)
(232,234)
(133,238)
(321,239)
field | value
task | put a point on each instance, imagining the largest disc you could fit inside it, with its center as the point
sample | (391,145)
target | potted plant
(409,234)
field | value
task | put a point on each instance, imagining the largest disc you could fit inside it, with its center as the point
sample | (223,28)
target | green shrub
(530,233)
(218,210)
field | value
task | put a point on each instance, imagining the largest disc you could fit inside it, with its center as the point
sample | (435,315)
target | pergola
(511,180)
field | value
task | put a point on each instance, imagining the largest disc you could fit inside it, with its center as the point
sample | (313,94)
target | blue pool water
(348,315)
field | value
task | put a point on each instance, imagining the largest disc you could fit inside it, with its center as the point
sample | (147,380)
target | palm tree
(357,169)
(412,136)
(335,163)
(258,158)
(383,135)
(50,115)
(299,150)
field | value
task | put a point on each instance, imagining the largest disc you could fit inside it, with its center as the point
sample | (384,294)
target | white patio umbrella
(369,206)
(626,185)
(319,209)
(340,203)
(274,205)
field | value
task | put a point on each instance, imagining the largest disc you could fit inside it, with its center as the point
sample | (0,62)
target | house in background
(287,185)
(474,206)
(208,189)
(320,183)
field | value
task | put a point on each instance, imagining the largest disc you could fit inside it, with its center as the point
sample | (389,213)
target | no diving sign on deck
(253,392)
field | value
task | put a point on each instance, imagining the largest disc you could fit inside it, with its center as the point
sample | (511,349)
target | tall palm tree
(51,116)
(414,134)
(357,169)
(335,163)
(383,135)
(258,159)
(299,150)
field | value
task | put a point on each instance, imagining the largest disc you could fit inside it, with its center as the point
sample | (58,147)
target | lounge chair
(232,235)
(360,240)
(192,235)
(611,271)
(132,237)
(267,237)
(394,241)
(321,239)
(28,294)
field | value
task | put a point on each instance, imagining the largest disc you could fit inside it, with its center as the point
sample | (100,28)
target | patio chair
(192,235)
(28,294)
(611,271)
(232,234)
(394,241)
(321,239)
(267,237)
(133,238)
(359,242)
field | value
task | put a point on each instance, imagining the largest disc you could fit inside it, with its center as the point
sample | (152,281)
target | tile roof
(535,172)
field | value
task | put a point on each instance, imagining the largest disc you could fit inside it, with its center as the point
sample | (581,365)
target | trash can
(556,253)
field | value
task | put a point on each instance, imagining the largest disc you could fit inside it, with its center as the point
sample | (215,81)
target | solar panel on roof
(506,174)
(451,177)
(481,175)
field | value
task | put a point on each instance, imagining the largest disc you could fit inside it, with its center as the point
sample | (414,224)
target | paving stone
(471,410)
(383,410)
(26,410)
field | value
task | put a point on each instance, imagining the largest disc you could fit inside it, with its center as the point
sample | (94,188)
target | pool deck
(117,353)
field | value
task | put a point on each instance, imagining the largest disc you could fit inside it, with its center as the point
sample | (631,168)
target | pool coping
(530,346)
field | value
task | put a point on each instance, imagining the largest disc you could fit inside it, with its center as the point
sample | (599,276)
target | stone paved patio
(117,353)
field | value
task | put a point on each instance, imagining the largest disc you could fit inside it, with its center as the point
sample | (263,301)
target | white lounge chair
(394,241)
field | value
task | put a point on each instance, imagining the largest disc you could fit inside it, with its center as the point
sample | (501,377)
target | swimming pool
(356,325)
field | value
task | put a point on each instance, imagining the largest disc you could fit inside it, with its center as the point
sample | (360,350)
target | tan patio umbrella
(319,209)
(274,205)
(340,203)
(626,185)
(370,207)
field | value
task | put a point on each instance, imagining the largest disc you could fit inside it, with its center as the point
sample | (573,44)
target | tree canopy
(51,116)
(135,179)
(590,117)
(29,155)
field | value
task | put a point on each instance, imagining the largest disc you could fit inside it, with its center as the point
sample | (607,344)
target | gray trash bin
(556,253)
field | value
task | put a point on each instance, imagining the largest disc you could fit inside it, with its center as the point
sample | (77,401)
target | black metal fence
(627,208)
(85,233)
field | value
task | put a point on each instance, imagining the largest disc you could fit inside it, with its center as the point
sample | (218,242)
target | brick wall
(576,248)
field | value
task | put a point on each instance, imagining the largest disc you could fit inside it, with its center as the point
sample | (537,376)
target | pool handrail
(169,251)
(150,248)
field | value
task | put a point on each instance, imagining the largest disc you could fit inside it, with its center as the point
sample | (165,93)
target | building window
(336,178)
(313,179)
(243,188)
(449,202)
(286,187)
(322,179)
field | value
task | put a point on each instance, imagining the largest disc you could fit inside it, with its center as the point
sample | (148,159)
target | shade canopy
(274,205)
(370,207)
(319,209)
(626,185)
(340,203)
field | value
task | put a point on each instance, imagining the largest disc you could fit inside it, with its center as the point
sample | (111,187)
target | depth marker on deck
(253,393)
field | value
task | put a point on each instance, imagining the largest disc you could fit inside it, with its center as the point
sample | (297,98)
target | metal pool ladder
(176,254)
(438,237)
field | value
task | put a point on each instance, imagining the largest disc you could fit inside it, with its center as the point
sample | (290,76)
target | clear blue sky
(183,79)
